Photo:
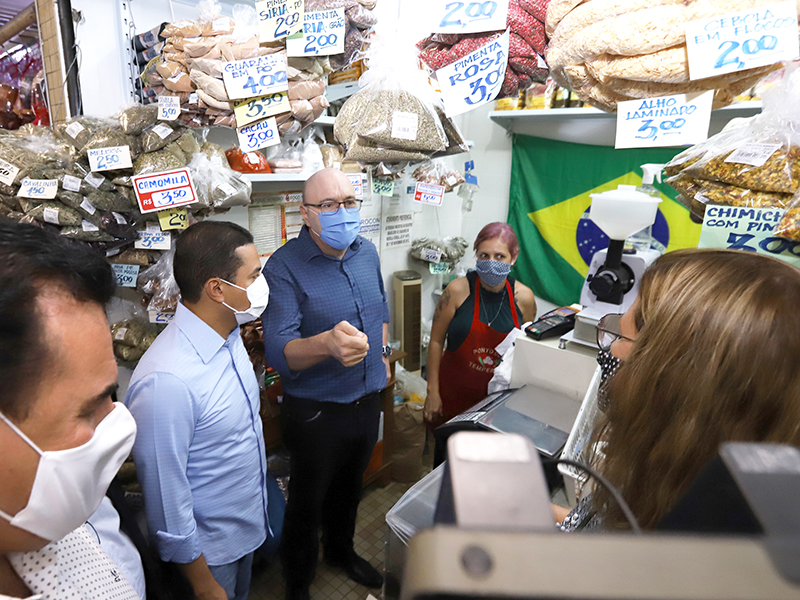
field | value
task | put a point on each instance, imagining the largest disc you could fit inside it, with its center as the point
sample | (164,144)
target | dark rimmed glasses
(608,331)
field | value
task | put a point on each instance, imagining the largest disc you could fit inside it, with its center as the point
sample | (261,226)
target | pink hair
(502,231)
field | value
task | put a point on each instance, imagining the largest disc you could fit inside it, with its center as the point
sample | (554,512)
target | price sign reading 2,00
(320,42)
(749,47)
(474,11)
(666,127)
(478,85)
(284,24)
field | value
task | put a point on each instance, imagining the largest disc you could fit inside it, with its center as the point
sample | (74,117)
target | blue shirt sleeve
(386,316)
(164,411)
(282,317)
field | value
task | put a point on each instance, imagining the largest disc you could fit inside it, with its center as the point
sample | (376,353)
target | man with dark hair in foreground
(200,451)
(58,425)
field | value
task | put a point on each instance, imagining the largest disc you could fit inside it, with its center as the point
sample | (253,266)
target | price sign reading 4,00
(471,17)
(323,34)
(279,18)
(257,76)
(475,79)
(742,40)
(259,135)
(164,190)
(677,120)
(250,110)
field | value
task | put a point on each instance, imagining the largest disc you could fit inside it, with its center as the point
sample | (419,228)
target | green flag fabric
(549,210)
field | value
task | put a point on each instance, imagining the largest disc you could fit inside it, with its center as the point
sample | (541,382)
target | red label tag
(169,189)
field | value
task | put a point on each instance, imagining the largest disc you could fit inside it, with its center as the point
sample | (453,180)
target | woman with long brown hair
(709,353)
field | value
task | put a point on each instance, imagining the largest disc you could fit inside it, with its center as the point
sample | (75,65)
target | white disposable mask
(257,294)
(70,484)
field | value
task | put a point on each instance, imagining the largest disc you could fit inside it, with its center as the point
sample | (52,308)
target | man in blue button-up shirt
(200,452)
(325,331)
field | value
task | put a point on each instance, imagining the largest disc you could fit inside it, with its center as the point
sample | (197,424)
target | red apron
(464,375)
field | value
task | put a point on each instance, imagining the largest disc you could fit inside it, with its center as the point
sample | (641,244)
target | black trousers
(330,446)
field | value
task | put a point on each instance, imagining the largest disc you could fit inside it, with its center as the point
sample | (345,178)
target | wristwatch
(386,351)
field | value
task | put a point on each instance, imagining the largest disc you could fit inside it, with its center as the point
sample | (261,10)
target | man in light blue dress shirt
(200,452)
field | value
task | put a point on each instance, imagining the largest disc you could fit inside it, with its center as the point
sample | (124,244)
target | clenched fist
(347,344)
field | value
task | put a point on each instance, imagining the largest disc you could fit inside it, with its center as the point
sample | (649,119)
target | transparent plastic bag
(217,185)
(311,155)
(158,284)
(437,172)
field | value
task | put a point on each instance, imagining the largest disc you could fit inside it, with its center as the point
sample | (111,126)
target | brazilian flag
(549,210)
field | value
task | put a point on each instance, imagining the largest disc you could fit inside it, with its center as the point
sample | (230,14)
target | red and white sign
(169,189)
(429,193)
(358,185)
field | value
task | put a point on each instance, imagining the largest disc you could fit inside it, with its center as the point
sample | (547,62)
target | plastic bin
(577,446)
(412,513)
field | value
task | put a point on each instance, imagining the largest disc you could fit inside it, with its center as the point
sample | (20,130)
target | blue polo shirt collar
(201,336)
(309,249)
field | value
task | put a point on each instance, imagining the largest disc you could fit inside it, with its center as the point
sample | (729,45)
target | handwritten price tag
(279,18)
(261,134)
(470,17)
(7,172)
(357,182)
(108,159)
(323,34)
(429,193)
(676,120)
(153,238)
(250,110)
(382,187)
(175,218)
(742,40)
(257,76)
(38,188)
(169,107)
(432,256)
(747,229)
(169,189)
(438,268)
(475,79)
(126,274)
(160,317)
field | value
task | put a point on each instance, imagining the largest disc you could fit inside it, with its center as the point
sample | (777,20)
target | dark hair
(207,250)
(30,258)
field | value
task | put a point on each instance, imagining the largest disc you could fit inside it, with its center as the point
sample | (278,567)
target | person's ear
(304,214)
(214,290)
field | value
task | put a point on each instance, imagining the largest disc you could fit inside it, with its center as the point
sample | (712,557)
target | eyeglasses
(333,206)
(608,331)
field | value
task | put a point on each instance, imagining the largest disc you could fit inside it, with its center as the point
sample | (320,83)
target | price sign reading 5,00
(742,40)
(258,135)
(471,17)
(676,120)
(475,79)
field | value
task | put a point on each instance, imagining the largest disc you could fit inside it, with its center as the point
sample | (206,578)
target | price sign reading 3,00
(742,40)
(261,134)
(471,17)
(475,79)
(667,121)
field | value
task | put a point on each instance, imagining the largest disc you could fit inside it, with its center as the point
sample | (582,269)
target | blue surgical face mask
(493,272)
(340,228)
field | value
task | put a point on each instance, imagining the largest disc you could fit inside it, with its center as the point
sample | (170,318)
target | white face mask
(257,294)
(70,484)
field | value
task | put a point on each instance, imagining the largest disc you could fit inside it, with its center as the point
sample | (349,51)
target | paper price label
(429,193)
(88,206)
(381,187)
(153,239)
(742,40)
(7,172)
(126,275)
(405,125)
(470,17)
(193,98)
(74,129)
(175,218)
(160,317)
(169,189)
(38,188)
(752,154)
(438,268)
(323,34)
(257,76)
(358,184)
(119,218)
(432,256)
(279,18)
(108,159)
(71,184)
(677,120)
(747,229)
(250,110)
(94,180)
(260,134)
(475,79)
(87,226)
(169,107)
